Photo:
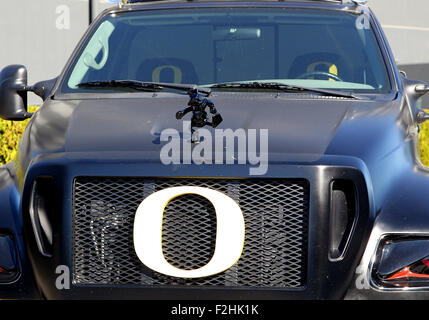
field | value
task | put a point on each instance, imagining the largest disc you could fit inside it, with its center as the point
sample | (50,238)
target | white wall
(406,24)
(41,34)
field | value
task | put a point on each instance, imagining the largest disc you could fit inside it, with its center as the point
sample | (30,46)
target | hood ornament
(197,105)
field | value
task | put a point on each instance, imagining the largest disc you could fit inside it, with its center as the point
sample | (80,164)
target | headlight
(402,263)
(8,259)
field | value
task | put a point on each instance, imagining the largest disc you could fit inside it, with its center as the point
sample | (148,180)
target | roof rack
(356,2)
(360,2)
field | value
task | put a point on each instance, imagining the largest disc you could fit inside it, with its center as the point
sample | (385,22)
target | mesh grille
(275,248)
(189,231)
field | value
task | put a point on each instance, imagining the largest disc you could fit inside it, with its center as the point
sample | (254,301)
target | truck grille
(275,248)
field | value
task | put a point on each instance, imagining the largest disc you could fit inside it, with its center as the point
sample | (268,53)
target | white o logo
(148,232)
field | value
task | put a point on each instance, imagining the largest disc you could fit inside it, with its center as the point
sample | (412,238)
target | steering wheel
(319,73)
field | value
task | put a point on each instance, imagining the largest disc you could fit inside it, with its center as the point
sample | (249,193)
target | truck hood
(299,129)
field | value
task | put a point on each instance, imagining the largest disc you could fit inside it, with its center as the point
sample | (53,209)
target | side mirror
(414,90)
(422,116)
(421,90)
(13,93)
(43,88)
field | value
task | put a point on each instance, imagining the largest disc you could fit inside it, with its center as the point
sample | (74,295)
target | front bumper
(327,278)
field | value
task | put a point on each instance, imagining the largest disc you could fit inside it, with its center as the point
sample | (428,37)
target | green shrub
(10,134)
(424,144)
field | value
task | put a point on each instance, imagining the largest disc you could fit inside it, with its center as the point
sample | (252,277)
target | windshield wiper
(197,102)
(142,85)
(282,87)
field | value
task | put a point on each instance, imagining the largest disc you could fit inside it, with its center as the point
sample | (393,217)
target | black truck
(218,149)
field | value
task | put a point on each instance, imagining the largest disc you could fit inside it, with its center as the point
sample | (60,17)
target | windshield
(303,47)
